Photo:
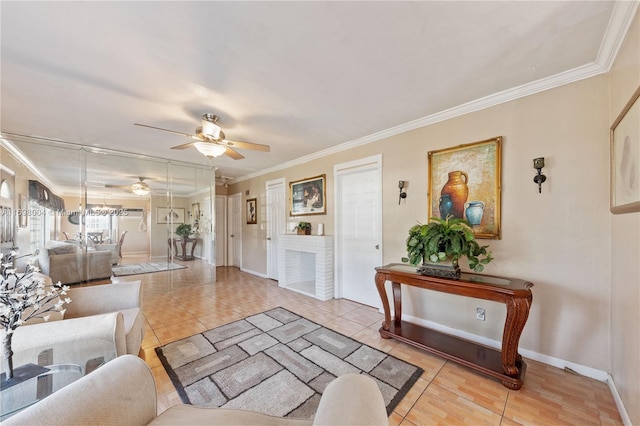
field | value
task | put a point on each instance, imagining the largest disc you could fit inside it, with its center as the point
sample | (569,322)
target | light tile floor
(181,303)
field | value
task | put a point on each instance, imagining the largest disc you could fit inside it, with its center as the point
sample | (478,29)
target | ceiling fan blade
(117,186)
(164,130)
(246,145)
(183,146)
(233,154)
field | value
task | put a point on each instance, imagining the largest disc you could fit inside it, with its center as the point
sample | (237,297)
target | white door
(358,191)
(220,236)
(234,231)
(275,223)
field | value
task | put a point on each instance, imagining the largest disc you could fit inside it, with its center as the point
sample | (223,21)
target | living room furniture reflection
(70,262)
(183,242)
(95,236)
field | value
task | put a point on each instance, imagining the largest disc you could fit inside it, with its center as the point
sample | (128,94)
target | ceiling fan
(223,180)
(211,141)
(140,188)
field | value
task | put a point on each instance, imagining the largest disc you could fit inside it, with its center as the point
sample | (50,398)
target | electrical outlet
(480,314)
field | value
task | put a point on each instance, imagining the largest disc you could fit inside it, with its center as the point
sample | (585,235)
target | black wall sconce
(401,185)
(538,164)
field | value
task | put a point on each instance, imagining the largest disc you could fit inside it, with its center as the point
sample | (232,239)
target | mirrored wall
(100,199)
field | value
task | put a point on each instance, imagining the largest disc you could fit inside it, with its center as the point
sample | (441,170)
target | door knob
(377,246)
(268,238)
(231,235)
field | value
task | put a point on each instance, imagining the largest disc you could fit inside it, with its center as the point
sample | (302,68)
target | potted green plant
(304,228)
(439,245)
(184,230)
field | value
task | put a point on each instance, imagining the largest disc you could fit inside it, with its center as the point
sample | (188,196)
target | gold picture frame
(464,182)
(252,211)
(195,213)
(308,196)
(625,158)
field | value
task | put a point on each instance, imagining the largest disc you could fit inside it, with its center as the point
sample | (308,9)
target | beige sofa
(124,392)
(69,263)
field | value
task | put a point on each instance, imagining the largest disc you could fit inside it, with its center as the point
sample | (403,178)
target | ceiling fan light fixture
(211,130)
(210,149)
(140,189)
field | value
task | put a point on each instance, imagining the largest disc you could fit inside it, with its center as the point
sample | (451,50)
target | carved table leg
(381,279)
(517,314)
(397,303)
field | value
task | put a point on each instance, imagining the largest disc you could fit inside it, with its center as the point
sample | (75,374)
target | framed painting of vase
(464,183)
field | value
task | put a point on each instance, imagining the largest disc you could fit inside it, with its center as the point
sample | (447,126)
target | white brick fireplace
(305,264)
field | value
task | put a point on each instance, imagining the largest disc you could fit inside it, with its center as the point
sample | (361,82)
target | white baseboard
(248,271)
(545,359)
(590,372)
(626,420)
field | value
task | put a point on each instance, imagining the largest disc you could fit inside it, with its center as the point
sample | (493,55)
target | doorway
(275,223)
(220,230)
(234,230)
(358,189)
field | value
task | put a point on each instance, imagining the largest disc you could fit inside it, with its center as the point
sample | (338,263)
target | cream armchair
(124,392)
(122,297)
(101,323)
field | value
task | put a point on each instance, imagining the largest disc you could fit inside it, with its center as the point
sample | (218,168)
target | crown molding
(619,23)
(13,150)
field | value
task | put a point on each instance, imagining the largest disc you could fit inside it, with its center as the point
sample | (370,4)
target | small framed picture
(252,211)
(625,158)
(169,215)
(195,213)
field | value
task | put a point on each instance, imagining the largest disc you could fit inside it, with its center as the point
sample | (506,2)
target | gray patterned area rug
(144,268)
(276,363)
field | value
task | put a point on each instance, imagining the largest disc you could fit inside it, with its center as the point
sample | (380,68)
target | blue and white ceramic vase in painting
(446,206)
(474,210)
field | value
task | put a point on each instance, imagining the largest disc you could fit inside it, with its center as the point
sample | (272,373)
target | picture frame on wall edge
(625,158)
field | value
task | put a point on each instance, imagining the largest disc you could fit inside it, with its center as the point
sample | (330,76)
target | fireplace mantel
(305,264)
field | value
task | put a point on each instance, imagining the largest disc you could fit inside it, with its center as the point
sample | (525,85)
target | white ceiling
(302,77)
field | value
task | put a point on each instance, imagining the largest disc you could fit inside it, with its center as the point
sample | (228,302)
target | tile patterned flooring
(178,304)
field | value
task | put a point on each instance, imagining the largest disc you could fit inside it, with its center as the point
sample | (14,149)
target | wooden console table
(183,243)
(506,365)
